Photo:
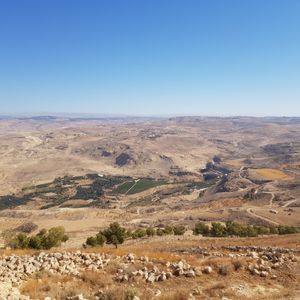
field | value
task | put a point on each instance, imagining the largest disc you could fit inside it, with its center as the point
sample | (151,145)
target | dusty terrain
(159,268)
(84,174)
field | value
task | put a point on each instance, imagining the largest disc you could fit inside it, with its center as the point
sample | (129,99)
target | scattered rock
(207,270)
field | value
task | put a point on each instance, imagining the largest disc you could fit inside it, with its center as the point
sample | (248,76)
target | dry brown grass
(145,249)
(176,294)
(58,287)
(272,174)
(7,252)
(235,162)
(96,279)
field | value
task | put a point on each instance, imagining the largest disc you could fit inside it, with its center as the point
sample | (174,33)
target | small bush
(160,232)
(237,264)
(217,229)
(168,230)
(224,270)
(201,228)
(139,233)
(150,231)
(179,230)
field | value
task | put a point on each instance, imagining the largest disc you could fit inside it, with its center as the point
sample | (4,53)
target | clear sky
(185,57)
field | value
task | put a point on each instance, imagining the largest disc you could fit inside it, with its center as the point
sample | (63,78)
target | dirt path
(272,197)
(289,202)
(250,212)
(132,186)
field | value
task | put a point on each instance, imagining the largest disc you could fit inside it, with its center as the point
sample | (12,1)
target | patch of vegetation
(45,239)
(124,187)
(12,201)
(236,229)
(201,184)
(145,184)
(117,234)
(134,187)
(62,189)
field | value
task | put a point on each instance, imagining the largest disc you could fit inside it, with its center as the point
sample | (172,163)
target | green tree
(45,239)
(217,229)
(179,230)
(233,228)
(91,241)
(53,237)
(201,228)
(20,241)
(168,230)
(150,231)
(35,242)
(100,239)
(115,234)
(160,232)
(139,233)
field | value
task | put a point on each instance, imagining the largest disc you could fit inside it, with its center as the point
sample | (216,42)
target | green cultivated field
(132,187)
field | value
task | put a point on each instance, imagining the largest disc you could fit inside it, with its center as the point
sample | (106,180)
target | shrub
(284,229)
(20,241)
(53,237)
(217,230)
(160,232)
(168,230)
(261,230)
(179,230)
(273,230)
(201,228)
(150,231)
(233,228)
(35,242)
(237,264)
(139,233)
(100,239)
(91,241)
(224,270)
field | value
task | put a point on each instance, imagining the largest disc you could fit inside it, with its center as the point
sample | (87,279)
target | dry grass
(177,294)
(58,287)
(237,264)
(7,252)
(272,174)
(96,279)
(235,162)
(146,249)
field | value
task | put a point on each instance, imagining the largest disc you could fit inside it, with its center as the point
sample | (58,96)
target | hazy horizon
(120,115)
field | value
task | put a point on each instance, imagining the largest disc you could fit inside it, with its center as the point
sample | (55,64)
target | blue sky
(158,57)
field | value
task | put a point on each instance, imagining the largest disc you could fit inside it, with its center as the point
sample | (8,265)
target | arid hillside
(84,174)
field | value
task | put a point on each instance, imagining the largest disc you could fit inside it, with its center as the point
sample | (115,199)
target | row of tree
(44,239)
(115,234)
(235,229)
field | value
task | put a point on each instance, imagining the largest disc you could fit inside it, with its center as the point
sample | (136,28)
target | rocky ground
(95,275)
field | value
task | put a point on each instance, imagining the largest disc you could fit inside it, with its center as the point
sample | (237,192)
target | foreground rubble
(15,270)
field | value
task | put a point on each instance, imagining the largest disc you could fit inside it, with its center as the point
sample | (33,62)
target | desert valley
(87,173)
